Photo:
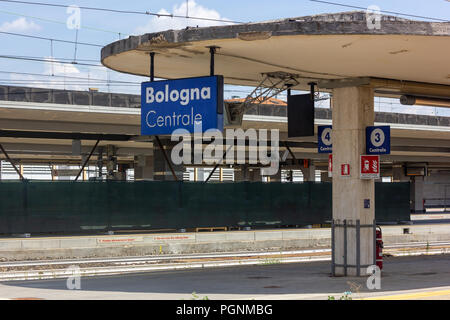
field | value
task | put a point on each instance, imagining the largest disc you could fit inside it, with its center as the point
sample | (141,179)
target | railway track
(48,269)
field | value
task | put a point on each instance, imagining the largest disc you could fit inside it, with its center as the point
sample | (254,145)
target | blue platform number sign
(378,140)
(182,104)
(324,143)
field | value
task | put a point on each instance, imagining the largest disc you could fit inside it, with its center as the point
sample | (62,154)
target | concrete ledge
(268,235)
(181,243)
(39,243)
(77,243)
(10,245)
(417,229)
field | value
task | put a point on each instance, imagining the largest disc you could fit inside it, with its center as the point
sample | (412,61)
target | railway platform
(402,278)
(142,244)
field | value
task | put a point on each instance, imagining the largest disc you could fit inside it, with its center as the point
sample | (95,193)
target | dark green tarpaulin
(43,207)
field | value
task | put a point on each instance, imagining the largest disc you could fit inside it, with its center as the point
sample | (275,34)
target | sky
(101,28)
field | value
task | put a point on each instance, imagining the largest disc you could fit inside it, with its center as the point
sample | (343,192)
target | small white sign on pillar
(330,165)
(345,170)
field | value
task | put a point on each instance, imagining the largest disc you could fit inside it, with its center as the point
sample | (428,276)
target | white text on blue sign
(324,139)
(181,104)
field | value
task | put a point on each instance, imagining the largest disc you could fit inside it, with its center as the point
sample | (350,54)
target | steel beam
(11,162)
(218,164)
(63,135)
(87,159)
(62,126)
(166,157)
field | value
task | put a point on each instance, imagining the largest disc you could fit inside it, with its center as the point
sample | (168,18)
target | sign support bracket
(166,157)
(311,85)
(87,159)
(12,163)
(217,165)
(289,150)
(152,78)
(212,51)
(152,66)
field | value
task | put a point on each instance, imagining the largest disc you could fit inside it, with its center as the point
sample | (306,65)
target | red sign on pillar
(370,167)
(330,165)
(345,169)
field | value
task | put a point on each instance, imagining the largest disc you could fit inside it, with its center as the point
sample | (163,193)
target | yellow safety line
(406,296)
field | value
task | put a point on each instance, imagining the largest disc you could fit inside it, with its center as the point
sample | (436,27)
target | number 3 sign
(378,140)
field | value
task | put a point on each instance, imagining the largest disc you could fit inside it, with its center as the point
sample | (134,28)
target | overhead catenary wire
(51,57)
(50,39)
(201,18)
(30,83)
(50,60)
(49,90)
(51,82)
(91,79)
(62,76)
(56,21)
(51,54)
(104,83)
(148,13)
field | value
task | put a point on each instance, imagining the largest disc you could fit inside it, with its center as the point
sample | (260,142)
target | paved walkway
(423,277)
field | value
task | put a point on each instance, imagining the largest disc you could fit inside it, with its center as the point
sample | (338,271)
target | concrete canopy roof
(318,48)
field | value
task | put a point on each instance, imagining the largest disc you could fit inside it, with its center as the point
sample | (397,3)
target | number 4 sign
(324,143)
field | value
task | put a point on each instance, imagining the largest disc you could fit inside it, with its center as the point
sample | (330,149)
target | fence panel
(42,207)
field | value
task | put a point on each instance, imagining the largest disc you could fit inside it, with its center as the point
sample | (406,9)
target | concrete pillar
(76,147)
(398,174)
(352,111)
(240,173)
(111,162)
(418,194)
(309,174)
(121,173)
(264,174)
(161,169)
(143,168)
(100,162)
(199,174)
(85,170)
(60,176)
(324,177)
(276,177)
(255,175)
(243,173)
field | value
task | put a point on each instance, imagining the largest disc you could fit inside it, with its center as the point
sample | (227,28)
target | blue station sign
(378,140)
(181,104)
(324,143)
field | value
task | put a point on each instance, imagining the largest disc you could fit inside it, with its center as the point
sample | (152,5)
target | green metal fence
(43,207)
